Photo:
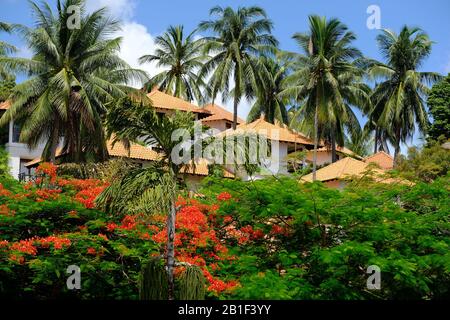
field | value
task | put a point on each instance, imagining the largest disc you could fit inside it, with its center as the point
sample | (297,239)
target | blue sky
(146,19)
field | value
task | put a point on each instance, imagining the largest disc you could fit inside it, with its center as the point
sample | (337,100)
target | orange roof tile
(219,113)
(163,100)
(140,152)
(339,149)
(384,160)
(348,167)
(136,151)
(5,105)
(273,131)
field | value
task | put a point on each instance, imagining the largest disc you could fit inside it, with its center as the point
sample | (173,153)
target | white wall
(20,151)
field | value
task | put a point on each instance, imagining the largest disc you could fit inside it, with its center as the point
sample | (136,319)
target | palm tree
(153,188)
(182,58)
(398,101)
(327,82)
(74,75)
(238,37)
(5,49)
(271,74)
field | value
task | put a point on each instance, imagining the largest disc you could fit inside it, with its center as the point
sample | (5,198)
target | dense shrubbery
(271,239)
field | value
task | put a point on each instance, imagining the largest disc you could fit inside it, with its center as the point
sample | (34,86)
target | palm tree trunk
(54,142)
(235,110)
(376,140)
(397,146)
(316,140)
(333,147)
(171,249)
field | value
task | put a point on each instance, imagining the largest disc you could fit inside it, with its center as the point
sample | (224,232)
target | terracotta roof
(339,170)
(5,105)
(201,169)
(163,100)
(348,167)
(136,151)
(142,153)
(339,149)
(384,160)
(273,131)
(219,113)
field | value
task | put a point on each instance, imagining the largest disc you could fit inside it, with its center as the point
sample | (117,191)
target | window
(228,125)
(16,132)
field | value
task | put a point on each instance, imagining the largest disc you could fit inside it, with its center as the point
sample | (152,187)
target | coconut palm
(398,101)
(271,74)
(181,58)
(327,82)
(5,49)
(74,75)
(238,37)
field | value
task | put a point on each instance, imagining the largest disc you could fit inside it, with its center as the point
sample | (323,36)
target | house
(143,155)
(336,174)
(22,159)
(324,155)
(220,119)
(384,160)
(19,153)
(283,141)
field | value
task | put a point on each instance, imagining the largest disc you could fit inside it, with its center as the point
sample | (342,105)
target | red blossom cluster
(87,196)
(4,192)
(29,246)
(48,169)
(224,196)
(196,241)
(5,211)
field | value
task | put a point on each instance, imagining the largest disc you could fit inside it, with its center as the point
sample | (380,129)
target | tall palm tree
(398,101)
(271,74)
(327,81)
(238,37)
(181,57)
(5,49)
(74,74)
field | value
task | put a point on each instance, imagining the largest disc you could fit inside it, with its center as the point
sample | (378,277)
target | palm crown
(238,37)
(182,58)
(74,74)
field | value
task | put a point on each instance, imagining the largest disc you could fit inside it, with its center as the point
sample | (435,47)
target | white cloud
(136,39)
(136,42)
(118,8)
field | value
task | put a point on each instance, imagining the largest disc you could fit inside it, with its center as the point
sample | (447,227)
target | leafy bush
(304,241)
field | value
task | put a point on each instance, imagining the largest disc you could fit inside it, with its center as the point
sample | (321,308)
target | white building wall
(20,151)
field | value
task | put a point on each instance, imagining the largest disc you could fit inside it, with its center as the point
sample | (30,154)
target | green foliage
(439,108)
(110,262)
(327,238)
(153,281)
(107,171)
(6,87)
(426,164)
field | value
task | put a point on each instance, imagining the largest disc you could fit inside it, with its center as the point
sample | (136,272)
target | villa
(284,142)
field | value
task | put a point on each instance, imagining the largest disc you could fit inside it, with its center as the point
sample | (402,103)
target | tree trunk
(316,140)
(54,142)
(235,110)
(375,149)
(171,249)
(397,146)
(333,148)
